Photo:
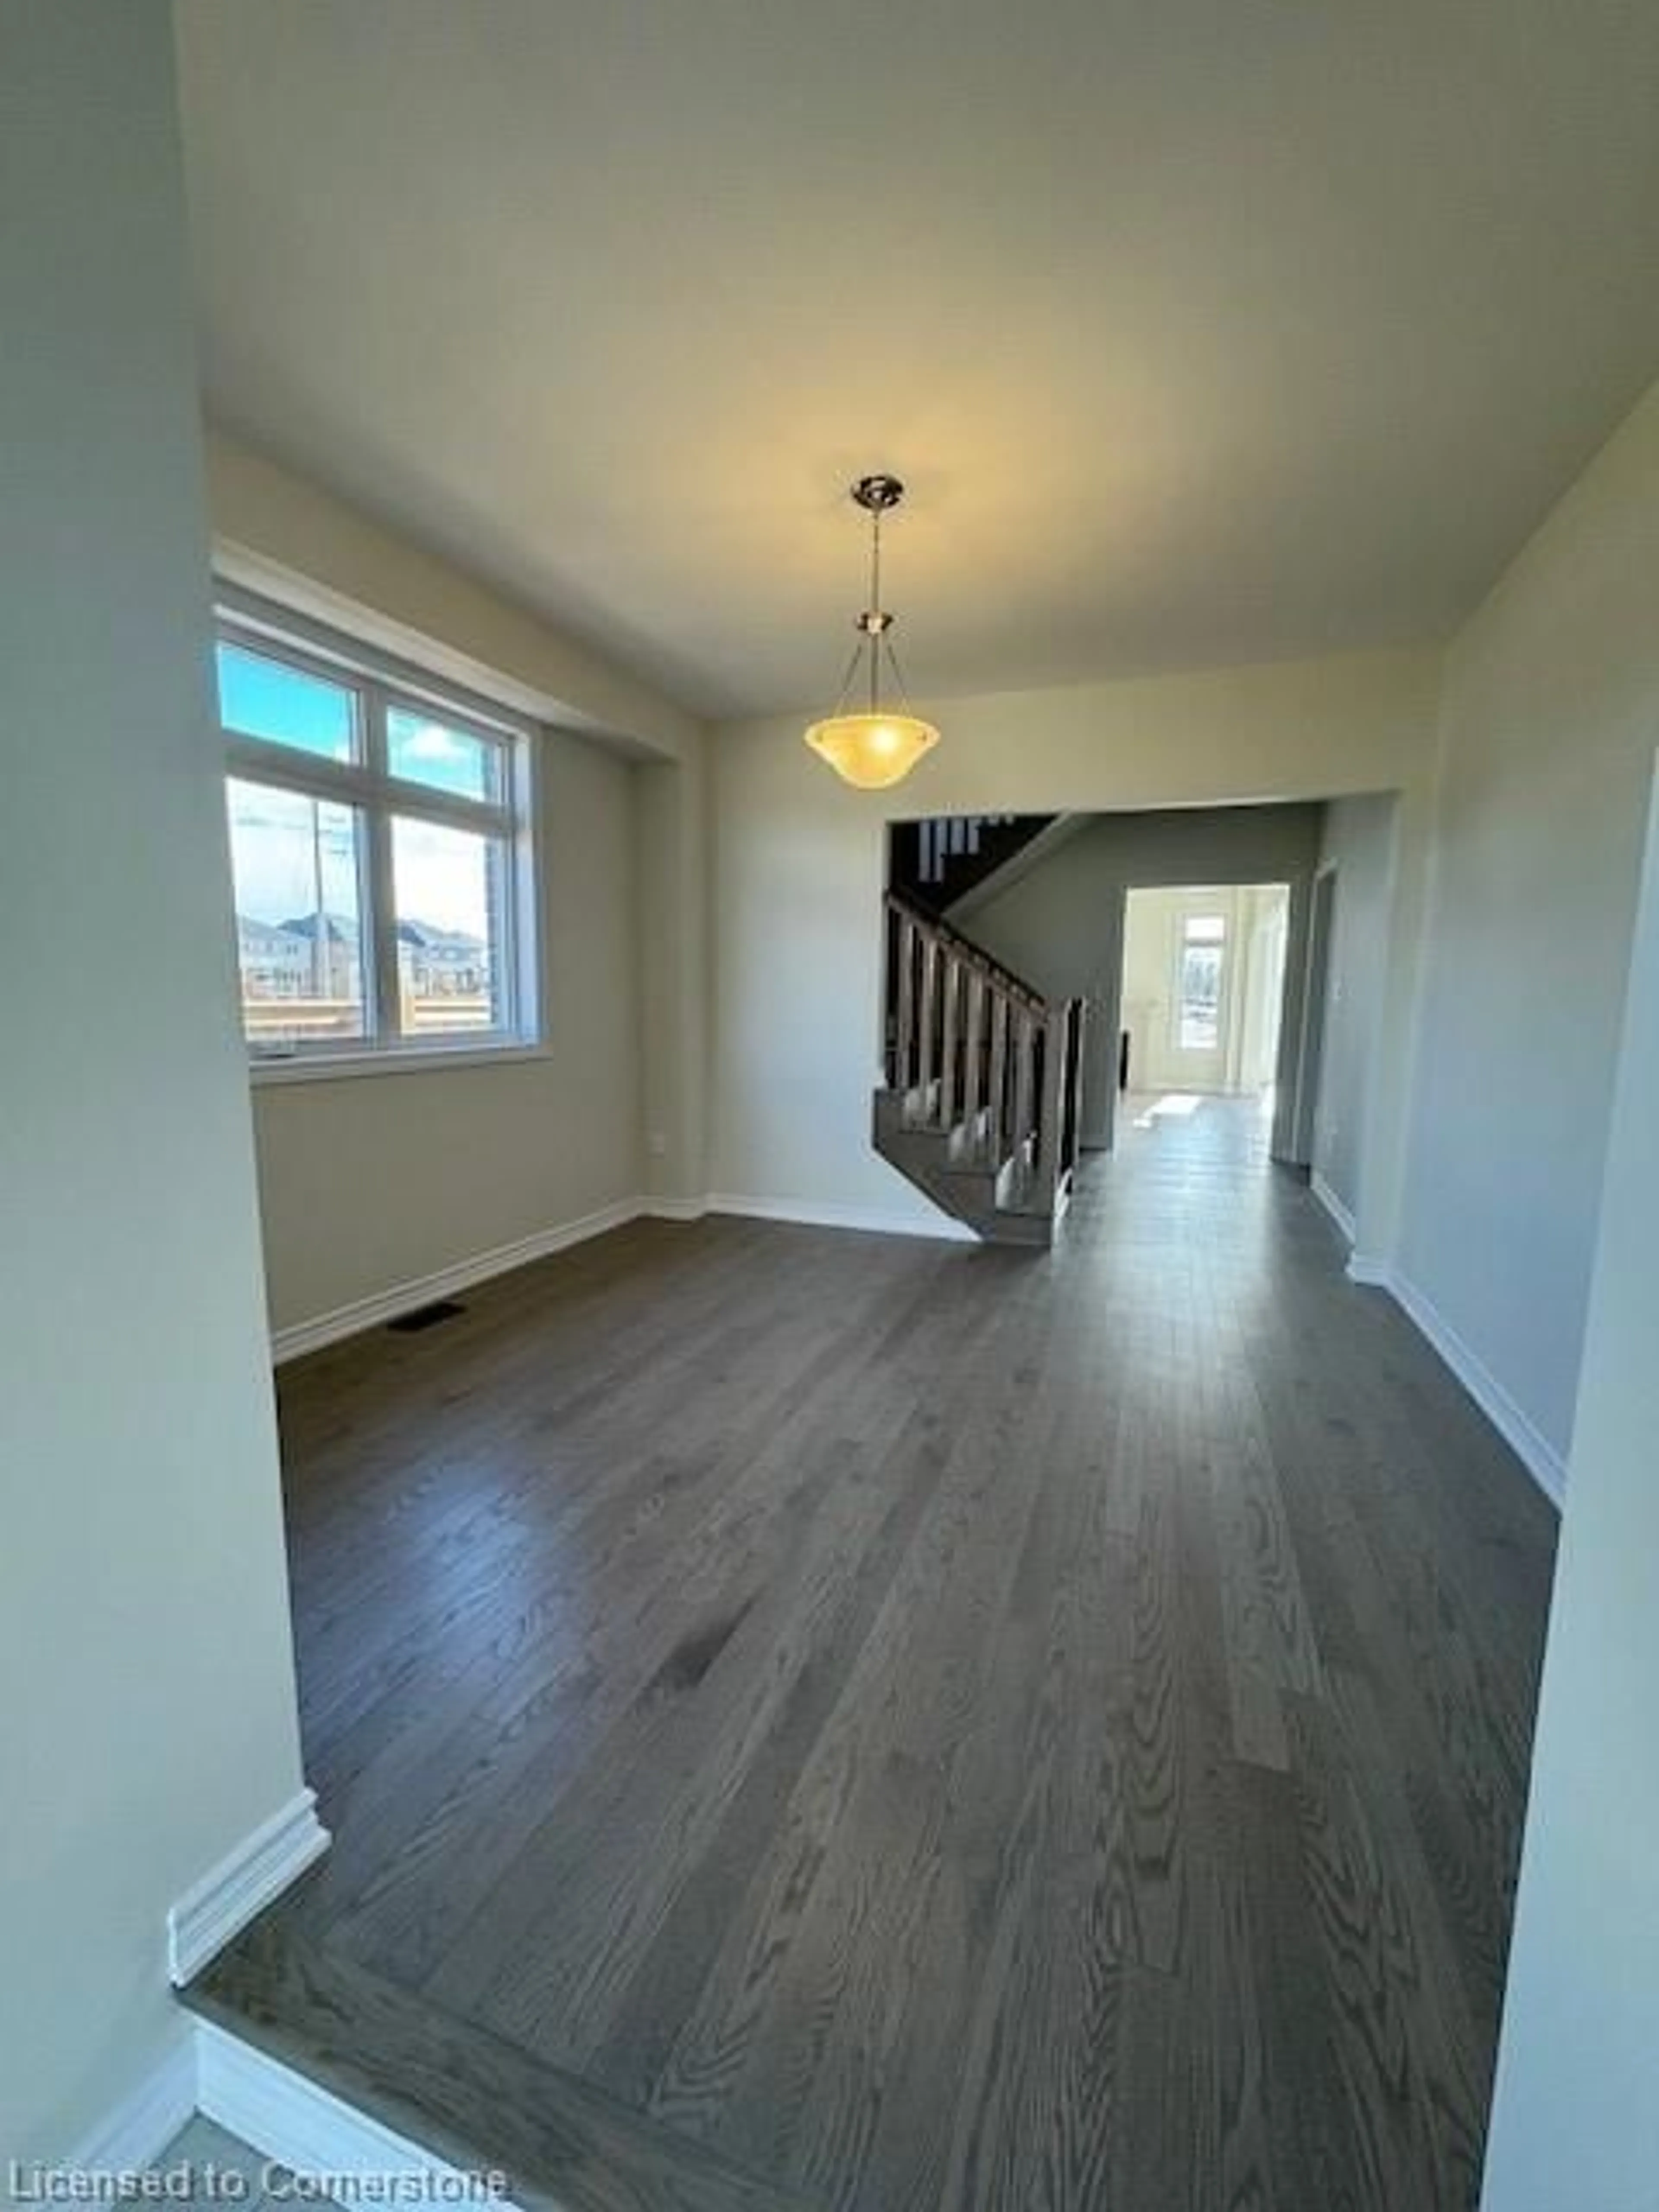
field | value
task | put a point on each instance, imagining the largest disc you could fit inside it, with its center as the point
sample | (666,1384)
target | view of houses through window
(377,859)
(296,865)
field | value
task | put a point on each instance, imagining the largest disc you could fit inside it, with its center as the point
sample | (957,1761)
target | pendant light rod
(875,607)
(877,495)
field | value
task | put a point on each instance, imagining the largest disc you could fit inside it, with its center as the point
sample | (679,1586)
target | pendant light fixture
(874,746)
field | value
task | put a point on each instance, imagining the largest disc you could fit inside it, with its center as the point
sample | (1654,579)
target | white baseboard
(674,1209)
(143,2124)
(221,1905)
(1525,1439)
(274,2111)
(373,1312)
(815,1213)
(1376,1274)
(404,1297)
(1333,1205)
(307,2128)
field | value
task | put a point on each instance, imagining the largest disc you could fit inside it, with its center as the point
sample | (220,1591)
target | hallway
(826,1720)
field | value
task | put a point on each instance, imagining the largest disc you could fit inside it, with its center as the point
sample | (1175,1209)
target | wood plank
(925,1727)
(474,2100)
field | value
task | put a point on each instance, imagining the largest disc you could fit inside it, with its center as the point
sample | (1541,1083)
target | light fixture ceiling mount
(874,746)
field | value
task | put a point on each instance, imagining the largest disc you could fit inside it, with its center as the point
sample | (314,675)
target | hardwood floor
(818,1719)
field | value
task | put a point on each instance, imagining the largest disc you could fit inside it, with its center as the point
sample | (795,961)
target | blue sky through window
(430,752)
(261,698)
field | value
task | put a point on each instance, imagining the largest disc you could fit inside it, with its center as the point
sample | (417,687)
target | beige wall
(371,1183)
(673,859)
(1550,719)
(149,1721)
(1358,845)
(798,860)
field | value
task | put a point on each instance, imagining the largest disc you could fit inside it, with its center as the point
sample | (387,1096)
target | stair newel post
(904,1020)
(996,1086)
(927,1027)
(950,1027)
(973,1056)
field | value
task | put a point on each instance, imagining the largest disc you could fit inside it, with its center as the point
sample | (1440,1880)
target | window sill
(349,1068)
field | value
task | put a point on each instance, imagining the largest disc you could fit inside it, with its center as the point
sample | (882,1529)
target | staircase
(979,1108)
(936,862)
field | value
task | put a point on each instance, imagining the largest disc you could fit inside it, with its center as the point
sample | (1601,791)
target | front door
(1201,993)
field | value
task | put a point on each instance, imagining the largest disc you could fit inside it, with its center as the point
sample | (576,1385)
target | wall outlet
(657,1145)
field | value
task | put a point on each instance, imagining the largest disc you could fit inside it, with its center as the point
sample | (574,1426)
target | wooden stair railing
(934,862)
(980,1106)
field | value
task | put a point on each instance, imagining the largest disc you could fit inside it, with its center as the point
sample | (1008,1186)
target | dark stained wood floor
(876,1723)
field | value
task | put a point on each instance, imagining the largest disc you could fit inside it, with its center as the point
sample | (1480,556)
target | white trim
(1333,1205)
(1525,1439)
(258,1869)
(342,643)
(1374,1274)
(404,1297)
(674,1209)
(1533,1449)
(140,2128)
(277,1067)
(382,1306)
(306,2128)
(823,1214)
(293,595)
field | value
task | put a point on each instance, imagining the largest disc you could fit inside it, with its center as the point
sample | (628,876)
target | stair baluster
(1024,1077)
(954,972)
(998,1085)
(901,1072)
(927,1026)
(973,1060)
(981,1103)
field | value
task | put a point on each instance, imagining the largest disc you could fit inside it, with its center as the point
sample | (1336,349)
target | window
(1198,999)
(381,854)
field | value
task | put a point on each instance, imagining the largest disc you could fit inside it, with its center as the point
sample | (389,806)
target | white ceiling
(1203,331)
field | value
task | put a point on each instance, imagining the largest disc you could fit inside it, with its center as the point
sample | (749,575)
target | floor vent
(440,1310)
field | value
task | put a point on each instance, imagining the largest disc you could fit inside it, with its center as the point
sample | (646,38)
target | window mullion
(299,772)
(382,890)
(421,803)
(504,978)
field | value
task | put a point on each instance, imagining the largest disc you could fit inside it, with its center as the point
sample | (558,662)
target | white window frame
(379,685)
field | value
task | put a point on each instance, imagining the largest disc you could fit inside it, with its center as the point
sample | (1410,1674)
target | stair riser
(969,1193)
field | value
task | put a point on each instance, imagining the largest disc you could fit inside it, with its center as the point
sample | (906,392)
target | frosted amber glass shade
(872,751)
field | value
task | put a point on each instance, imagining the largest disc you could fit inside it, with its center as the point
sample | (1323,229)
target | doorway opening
(1202,1000)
